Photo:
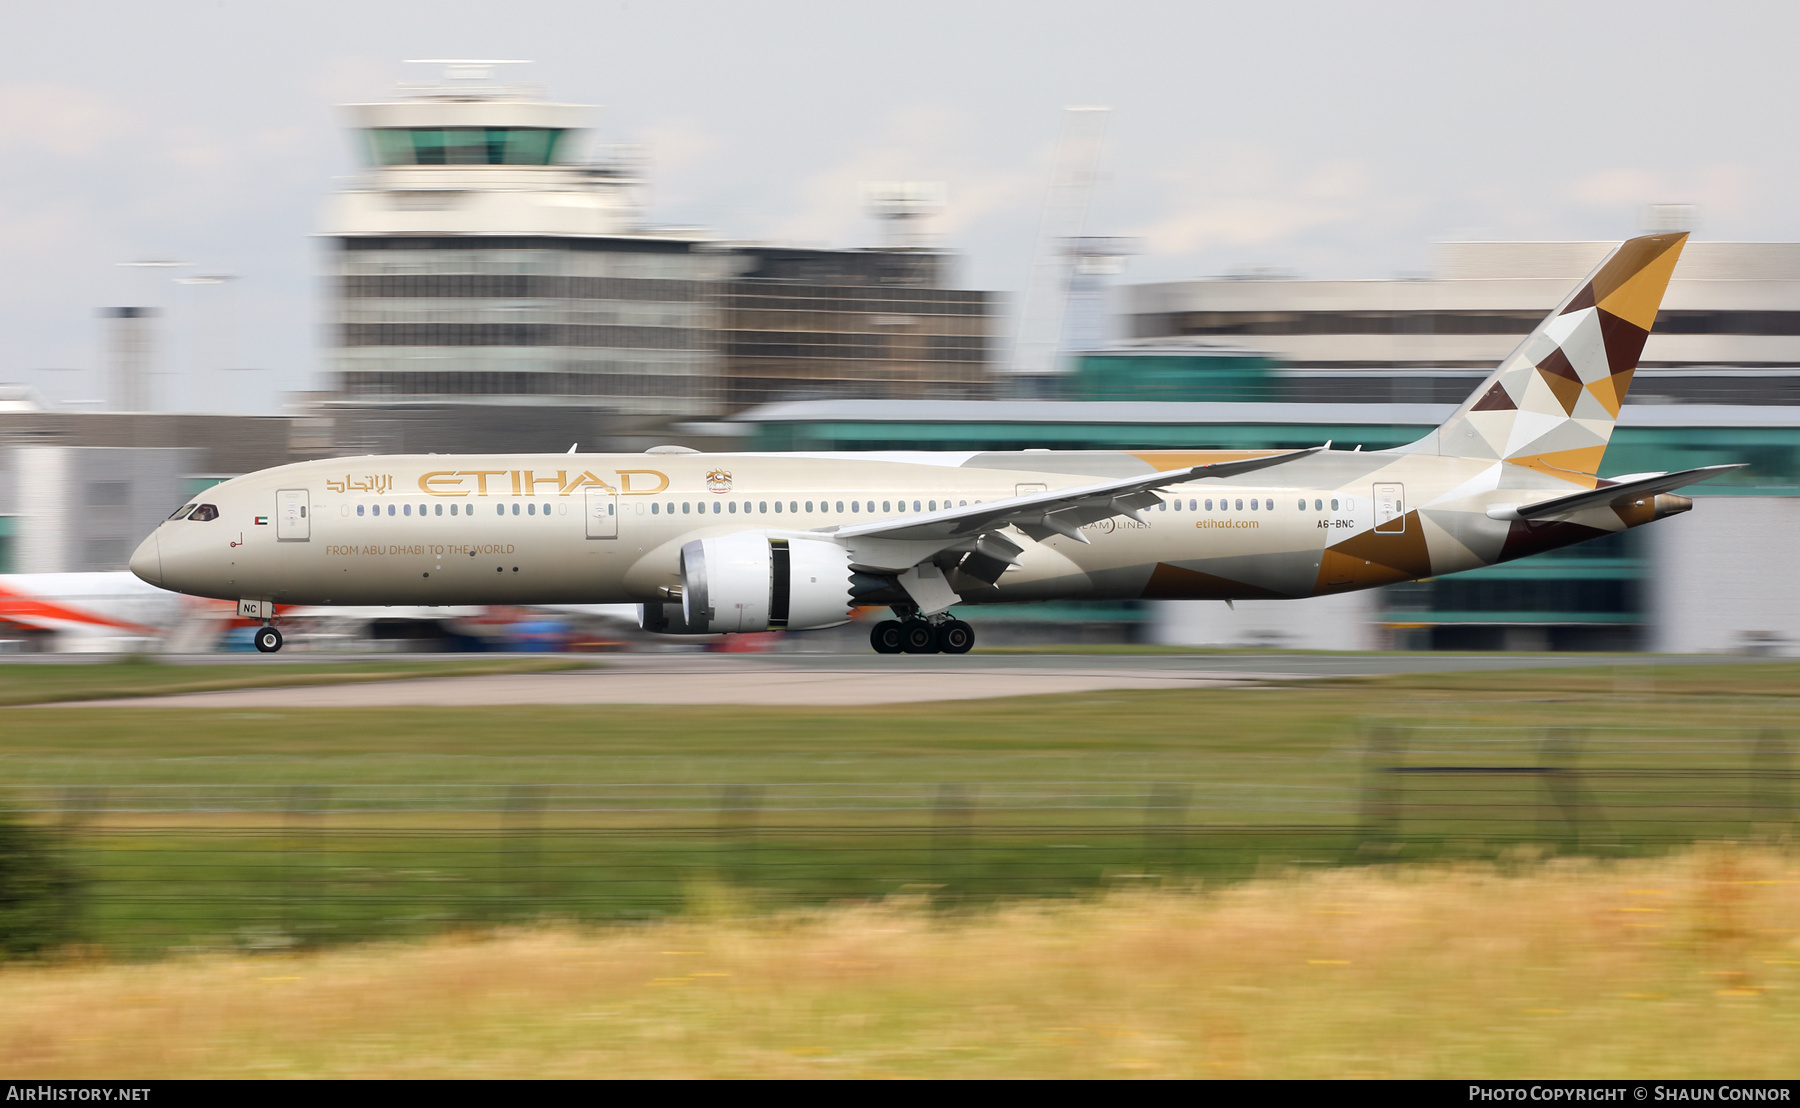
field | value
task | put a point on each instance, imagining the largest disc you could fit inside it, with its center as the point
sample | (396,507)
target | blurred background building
(1728,332)
(492,256)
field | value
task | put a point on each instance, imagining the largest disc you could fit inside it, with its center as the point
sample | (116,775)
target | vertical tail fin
(1552,403)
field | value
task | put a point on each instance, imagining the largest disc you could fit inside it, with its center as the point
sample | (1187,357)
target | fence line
(173,864)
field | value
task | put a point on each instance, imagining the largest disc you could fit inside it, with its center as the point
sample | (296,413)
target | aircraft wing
(912,546)
(1633,488)
(1058,511)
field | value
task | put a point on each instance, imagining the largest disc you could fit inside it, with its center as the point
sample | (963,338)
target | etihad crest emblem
(719,480)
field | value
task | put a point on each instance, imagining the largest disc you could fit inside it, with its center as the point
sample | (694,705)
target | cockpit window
(203,513)
(181,511)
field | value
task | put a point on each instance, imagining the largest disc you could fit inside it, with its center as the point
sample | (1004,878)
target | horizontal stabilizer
(1608,495)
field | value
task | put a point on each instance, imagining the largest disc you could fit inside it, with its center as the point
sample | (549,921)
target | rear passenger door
(602,514)
(1390,509)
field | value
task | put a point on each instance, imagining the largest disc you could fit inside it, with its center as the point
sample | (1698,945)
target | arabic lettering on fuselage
(368,482)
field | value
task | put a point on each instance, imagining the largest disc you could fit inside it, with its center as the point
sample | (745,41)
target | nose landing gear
(268,640)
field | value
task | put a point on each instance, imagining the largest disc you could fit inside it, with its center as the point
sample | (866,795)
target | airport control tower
(490,255)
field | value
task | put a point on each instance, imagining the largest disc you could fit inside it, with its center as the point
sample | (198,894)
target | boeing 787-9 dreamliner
(710,543)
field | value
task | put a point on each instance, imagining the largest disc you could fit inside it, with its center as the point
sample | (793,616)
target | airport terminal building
(489,256)
(1728,331)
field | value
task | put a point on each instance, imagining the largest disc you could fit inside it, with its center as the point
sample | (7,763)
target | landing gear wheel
(919,637)
(268,640)
(956,637)
(887,637)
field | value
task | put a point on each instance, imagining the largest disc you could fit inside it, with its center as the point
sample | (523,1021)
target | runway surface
(823,680)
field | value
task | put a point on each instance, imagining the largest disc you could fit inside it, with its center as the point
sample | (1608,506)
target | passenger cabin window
(1334,506)
(1240,505)
(204,513)
(516,508)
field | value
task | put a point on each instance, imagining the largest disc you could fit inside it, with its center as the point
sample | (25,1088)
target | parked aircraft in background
(753,542)
(118,613)
(82,612)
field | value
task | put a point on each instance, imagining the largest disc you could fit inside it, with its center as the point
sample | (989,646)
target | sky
(1325,139)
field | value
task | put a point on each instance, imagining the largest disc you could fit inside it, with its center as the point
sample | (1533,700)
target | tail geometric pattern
(1552,403)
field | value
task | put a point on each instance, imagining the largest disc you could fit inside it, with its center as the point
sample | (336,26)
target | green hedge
(38,889)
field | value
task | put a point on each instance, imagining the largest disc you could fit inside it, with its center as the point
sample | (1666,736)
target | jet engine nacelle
(751,581)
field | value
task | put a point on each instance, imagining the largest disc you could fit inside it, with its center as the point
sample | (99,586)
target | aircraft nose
(146,561)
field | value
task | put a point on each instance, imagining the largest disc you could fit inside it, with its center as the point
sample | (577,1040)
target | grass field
(224,829)
(43,684)
(1683,966)
(1296,722)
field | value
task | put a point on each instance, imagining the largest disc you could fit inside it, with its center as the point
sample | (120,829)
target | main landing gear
(268,640)
(920,636)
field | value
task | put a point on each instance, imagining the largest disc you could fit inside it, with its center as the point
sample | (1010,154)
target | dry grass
(1678,967)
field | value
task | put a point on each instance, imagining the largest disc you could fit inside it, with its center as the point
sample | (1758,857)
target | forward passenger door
(291,524)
